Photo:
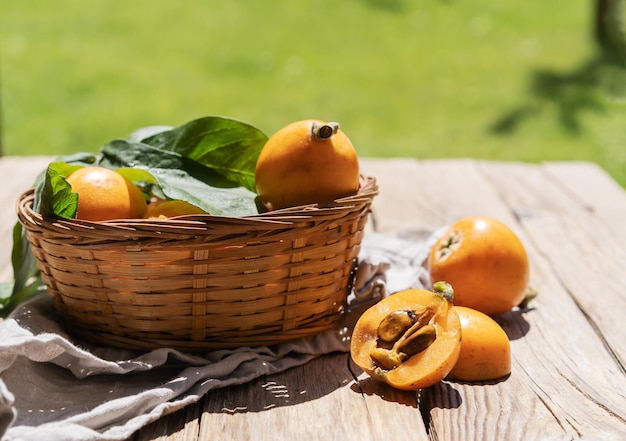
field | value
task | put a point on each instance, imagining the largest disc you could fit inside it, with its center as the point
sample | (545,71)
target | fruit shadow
(367,386)
(442,395)
(514,323)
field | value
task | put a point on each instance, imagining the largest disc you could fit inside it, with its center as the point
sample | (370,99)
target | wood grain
(556,381)
(568,379)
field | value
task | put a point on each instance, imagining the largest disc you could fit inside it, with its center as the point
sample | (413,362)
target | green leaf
(64,165)
(228,146)
(26,274)
(137,175)
(5,295)
(57,198)
(182,178)
(224,201)
(209,162)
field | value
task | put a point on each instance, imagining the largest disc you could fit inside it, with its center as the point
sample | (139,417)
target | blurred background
(506,80)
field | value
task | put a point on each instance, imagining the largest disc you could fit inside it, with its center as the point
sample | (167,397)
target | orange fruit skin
(423,369)
(485,348)
(104,194)
(487,265)
(294,168)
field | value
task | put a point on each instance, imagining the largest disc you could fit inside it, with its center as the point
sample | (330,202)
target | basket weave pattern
(201,282)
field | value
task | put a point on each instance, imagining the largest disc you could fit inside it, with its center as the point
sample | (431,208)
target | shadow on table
(514,323)
(442,395)
(370,387)
(288,388)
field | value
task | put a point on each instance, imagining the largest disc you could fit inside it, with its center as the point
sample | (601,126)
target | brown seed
(402,334)
(394,325)
(386,358)
(418,341)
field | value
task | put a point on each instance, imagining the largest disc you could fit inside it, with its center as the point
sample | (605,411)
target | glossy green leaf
(228,146)
(57,198)
(183,178)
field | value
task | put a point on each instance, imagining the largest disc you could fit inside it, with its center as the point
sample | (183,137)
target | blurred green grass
(430,79)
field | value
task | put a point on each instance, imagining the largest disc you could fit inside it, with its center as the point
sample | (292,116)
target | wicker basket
(201,282)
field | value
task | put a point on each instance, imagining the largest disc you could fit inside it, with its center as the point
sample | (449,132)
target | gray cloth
(55,388)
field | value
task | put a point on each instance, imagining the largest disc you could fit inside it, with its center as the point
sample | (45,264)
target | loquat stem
(324,131)
(444,289)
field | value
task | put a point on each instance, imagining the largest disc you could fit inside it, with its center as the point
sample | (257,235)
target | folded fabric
(54,387)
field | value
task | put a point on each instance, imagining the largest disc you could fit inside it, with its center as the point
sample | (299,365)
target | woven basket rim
(271,219)
(221,281)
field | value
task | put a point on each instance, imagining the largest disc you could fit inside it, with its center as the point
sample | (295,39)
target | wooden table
(568,376)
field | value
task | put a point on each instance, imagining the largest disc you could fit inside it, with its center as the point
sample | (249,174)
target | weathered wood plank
(489,412)
(572,328)
(537,390)
(568,379)
(551,366)
(425,196)
(445,192)
(596,191)
(289,406)
(582,246)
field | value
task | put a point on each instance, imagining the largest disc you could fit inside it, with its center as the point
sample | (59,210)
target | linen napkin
(54,387)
